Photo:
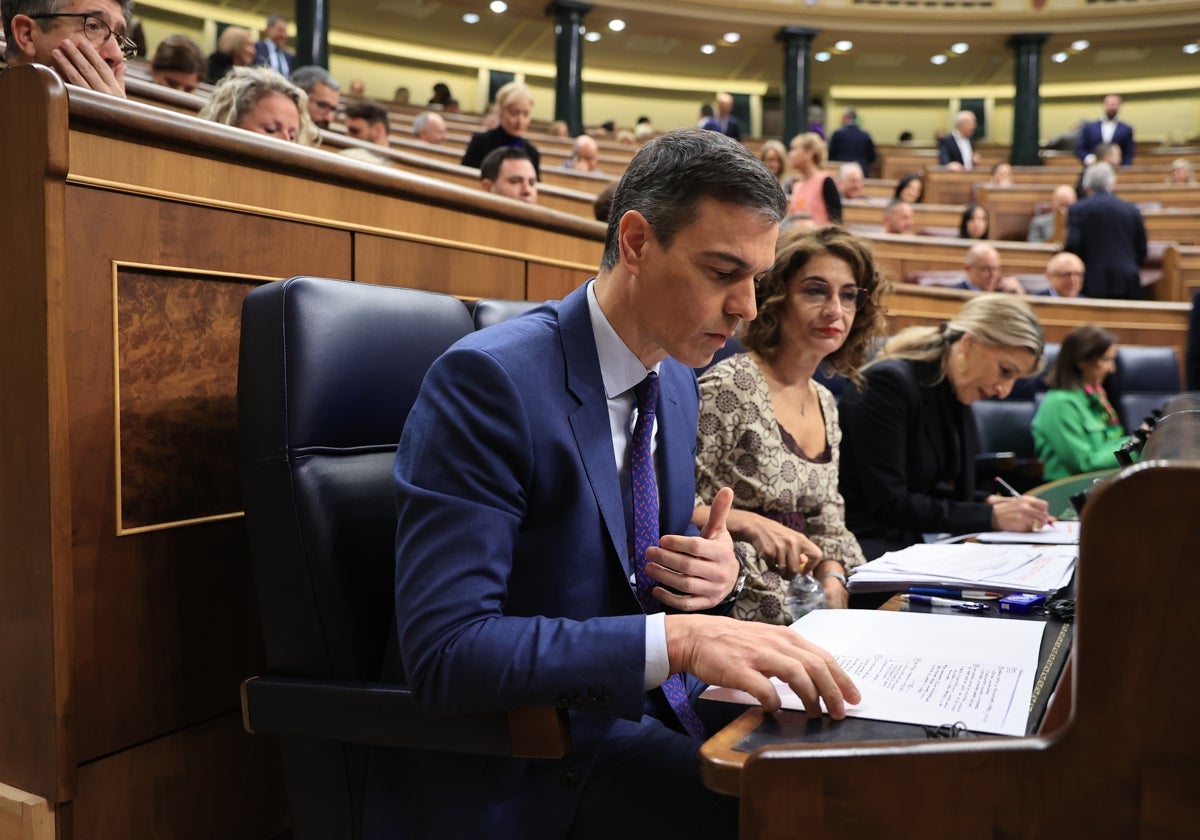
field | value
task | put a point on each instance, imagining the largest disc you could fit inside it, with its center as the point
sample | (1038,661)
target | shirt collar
(619,367)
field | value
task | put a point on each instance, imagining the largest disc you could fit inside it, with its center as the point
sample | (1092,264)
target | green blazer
(1073,434)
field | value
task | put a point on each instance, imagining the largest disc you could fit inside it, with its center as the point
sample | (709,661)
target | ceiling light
(1059,57)
(731,37)
(592,36)
(938,59)
(823,56)
(498,6)
(1191,49)
(616,24)
(470,17)
(960,48)
(844,46)
(1080,45)
(707,49)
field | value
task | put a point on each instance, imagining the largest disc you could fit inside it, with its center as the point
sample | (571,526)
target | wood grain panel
(24,816)
(209,781)
(165,623)
(548,282)
(396,262)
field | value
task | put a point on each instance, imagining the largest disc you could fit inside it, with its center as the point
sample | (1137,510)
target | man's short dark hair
(308,77)
(372,112)
(670,176)
(489,169)
(274,19)
(179,54)
(9,9)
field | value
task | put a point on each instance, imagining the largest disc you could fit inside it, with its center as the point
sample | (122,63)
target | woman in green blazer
(1076,429)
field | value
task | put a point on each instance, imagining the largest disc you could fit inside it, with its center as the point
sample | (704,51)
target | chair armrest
(389,715)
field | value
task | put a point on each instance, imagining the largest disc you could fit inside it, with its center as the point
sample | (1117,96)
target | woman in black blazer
(909,441)
(514,101)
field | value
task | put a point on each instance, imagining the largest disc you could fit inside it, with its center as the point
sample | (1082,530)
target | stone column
(1027,79)
(312,33)
(568,60)
(797,58)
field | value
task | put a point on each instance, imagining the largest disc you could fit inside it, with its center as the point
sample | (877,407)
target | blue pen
(946,592)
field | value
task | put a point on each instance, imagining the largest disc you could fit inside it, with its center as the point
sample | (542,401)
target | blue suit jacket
(513,569)
(1109,235)
(262,57)
(1090,137)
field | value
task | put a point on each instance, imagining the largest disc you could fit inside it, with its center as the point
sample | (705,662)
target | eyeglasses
(819,293)
(1066,273)
(96,31)
(986,269)
(322,105)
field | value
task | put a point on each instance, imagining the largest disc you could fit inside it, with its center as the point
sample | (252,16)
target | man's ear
(633,233)
(486,183)
(22,35)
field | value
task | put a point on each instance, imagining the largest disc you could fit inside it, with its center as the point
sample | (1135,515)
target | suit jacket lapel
(589,421)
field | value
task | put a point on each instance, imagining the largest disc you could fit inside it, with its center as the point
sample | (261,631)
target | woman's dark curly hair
(761,335)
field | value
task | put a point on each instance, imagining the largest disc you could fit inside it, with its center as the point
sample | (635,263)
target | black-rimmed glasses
(95,30)
(819,293)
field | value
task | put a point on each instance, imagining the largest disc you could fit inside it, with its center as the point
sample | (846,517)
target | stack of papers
(1005,568)
(1062,532)
(925,669)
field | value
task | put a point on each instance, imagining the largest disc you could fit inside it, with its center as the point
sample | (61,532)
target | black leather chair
(488,311)
(327,374)
(1145,378)
(1006,443)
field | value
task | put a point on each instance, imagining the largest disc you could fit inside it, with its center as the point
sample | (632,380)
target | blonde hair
(999,320)
(244,87)
(779,149)
(810,141)
(233,39)
(513,92)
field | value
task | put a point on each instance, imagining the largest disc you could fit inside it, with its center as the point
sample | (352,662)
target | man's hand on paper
(745,654)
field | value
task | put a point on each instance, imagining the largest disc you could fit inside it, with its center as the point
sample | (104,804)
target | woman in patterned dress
(770,432)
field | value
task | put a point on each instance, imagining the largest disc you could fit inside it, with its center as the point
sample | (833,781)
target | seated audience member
(323,93)
(530,567)
(508,171)
(1002,175)
(603,202)
(984,273)
(774,155)
(271,51)
(909,441)
(910,188)
(367,121)
(357,89)
(235,48)
(975,222)
(813,192)
(86,44)
(851,181)
(1064,273)
(585,155)
(560,129)
(706,114)
(1182,172)
(1109,235)
(178,63)
(429,127)
(898,217)
(1109,153)
(1076,429)
(770,431)
(401,96)
(441,95)
(260,100)
(606,131)
(514,107)
(643,131)
(905,137)
(452,107)
(1041,226)
(626,137)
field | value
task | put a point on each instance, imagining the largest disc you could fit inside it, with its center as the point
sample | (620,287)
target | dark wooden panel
(208,781)
(165,623)
(436,268)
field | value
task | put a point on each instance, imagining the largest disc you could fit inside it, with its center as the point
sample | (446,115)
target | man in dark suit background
(852,143)
(516,582)
(723,120)
(956,149)
(272,50)
(1109,235)
(1107,130)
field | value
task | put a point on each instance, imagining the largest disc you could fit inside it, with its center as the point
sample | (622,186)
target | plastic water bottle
(804,595)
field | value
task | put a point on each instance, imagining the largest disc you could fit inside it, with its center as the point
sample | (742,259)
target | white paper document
(925,669)
(1062,532)
(1007,568)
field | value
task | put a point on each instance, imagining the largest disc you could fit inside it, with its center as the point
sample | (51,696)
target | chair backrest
(490,311)
(328,372)
(1005,426)
(1145,378)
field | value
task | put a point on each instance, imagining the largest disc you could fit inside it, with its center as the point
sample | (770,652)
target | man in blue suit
(1109,235)
(1107,130)
(515,583)
(271,51)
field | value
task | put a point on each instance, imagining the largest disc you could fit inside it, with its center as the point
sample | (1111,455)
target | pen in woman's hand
(1006,487)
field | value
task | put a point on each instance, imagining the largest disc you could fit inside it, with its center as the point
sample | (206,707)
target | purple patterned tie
(644,488)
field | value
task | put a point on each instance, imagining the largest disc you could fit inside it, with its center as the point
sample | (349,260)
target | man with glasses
(1064,273)
(84,40)
(323,93)
(983,269)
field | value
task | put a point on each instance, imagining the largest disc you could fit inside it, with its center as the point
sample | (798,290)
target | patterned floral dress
(741,445)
